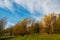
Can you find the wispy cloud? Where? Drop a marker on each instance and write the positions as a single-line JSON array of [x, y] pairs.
[[40, 6], [6, 4], [44, 6], [9, 24], [51, 6]]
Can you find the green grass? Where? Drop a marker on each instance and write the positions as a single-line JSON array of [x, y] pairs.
[[6, 37], [38, 37]]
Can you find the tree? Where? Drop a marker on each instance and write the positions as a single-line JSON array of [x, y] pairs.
[[49, 21], [34, 27], [20, 28], [42, 27], [3, 22], [57, 25]]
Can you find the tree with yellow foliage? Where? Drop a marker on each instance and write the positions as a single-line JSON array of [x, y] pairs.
[[20, 28], [57, 25], [49, 21]]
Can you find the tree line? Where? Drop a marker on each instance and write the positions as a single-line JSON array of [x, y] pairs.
[[50, 24]]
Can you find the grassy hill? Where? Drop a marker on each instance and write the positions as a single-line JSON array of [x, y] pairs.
[[36, 37]]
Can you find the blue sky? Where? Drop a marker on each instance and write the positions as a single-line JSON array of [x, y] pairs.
[[16, 10]]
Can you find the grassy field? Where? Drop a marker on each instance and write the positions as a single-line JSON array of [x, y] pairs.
[[37, 37]]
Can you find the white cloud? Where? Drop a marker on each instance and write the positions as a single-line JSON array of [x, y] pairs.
[[26, 4], [45, 6], [51, 6], [31, 5], [6, 4], [9, 24], [37, 18], [41, 6]]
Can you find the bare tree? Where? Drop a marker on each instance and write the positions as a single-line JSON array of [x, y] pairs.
[[3, 22]]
